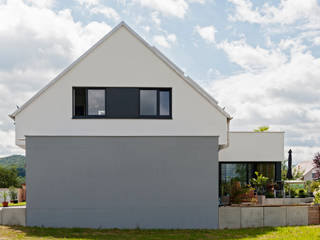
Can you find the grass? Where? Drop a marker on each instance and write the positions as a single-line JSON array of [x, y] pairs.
[[14, 204], [283, 233]]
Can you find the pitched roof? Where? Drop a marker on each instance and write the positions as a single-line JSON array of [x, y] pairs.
[[305, 166], [153, 49]]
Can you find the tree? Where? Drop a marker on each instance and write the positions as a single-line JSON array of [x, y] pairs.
[[8, 177], [316, 163], [262, 129]]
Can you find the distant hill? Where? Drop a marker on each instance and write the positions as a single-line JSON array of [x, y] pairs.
[[17, 161]]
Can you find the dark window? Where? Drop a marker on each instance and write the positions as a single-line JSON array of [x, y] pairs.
[[79, 95], [243, 172], [121, 103]]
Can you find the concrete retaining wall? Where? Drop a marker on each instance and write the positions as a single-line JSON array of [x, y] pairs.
[[245, 217], [13, 216], [286, 201]]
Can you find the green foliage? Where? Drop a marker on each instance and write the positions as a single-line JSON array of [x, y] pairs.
[[265, 233], [14, 161], [269, 194], [8, 177], [316, 195], [293, 193], [262, 129], [4, 196], [301, 193], [13, 193], [259, 182], [314, 185]]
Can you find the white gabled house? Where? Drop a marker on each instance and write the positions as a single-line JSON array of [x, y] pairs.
[[122, 138]]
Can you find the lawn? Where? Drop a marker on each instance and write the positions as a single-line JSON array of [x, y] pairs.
[[283, 233]]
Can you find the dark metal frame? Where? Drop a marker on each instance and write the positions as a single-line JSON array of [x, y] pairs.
[[276, 166], [106, 116]]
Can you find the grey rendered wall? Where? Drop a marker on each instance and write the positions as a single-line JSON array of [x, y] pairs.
[[122, 182]]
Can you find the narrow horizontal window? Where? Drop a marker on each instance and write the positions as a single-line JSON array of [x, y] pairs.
[[122, 102], [96, 102]]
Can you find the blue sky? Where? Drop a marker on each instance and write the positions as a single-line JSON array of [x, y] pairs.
[[259, 59]]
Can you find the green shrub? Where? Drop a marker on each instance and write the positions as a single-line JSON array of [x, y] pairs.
[[293, 193], [314, 186], [269, 194], [301, 193], [316, 195], [13, 193]]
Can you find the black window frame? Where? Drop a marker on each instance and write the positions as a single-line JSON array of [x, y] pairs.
[[157, 116], [277, 169], [107, 116]]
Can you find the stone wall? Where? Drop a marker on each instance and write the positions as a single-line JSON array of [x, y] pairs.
[[13, 216], [267, 216]]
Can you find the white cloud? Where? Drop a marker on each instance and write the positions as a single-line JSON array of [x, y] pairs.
[[146, 28], [108, 12], [197, 1], [165, 41], [36, 43], [287, 12], [284, 94], [175, 8], [252, 58], [88, 2], [207, 33], [41, 3], [162, 41], [316, 41], [172, 38], [155, 18]]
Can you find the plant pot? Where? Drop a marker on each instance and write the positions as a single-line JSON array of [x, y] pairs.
[[261, 199], [5, 204], [15, 201]]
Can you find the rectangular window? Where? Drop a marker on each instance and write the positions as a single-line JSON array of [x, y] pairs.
[[96, 102], [121, 102], [243, 172], [155, 103], [79, 101], [148, 102], [164, 104]]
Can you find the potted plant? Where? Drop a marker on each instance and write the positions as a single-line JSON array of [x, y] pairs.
[[259, 182], [13, 194], [4, 196]]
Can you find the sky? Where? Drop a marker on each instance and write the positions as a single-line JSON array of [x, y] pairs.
[[259, 59]]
